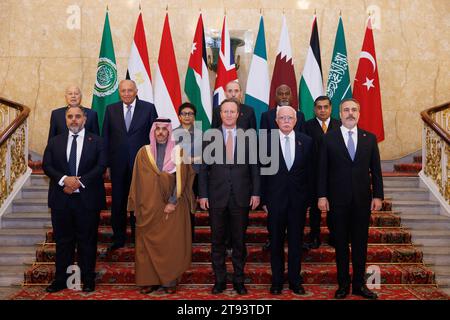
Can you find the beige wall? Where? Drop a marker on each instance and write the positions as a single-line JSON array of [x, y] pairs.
[[39, 55]]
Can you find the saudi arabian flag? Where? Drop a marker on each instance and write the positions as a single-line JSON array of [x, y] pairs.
[[311, 83], [106, 83], [338, 87], [258, 84]]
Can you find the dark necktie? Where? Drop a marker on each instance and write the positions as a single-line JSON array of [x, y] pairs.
[[128, 118], [351, 146], [73, 156]]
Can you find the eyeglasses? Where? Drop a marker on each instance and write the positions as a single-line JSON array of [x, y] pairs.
[[286, 118], [187, 114]]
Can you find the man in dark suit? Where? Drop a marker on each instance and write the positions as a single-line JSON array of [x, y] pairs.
[[126, 129], [316, 128], [73, 97], [228, 186], [246, 119], [350, 185], [75, 162], [285, 196], [283, 98]]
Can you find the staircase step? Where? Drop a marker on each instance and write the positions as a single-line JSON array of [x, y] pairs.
[[35, 191], [30, 205], [426, 221], [402, 193], [26, 220], [436, 255], [256, 273], [256, 253], [17, 255], [11, 274], [39, 180], [259, 235], [432, 237], [21, 237], [408, 167], [404, 182], [416, 206]]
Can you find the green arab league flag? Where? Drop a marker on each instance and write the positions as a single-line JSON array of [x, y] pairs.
[[338, 87], [106, 83]]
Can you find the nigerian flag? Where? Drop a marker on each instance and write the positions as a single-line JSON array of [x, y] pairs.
[[338, 87], [106, 84]]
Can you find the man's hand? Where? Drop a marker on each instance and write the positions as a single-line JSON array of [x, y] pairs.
[[265, 209], [204, 203], [169, 208], [254, 202], [72, 183], [68, 190], [323, 204], [376, 205]]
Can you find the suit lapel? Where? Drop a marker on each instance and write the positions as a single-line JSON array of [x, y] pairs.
[[342, 145], [362, 137], [63, 153], [136, 116], [120, 116], [84, 153], [298, 150]]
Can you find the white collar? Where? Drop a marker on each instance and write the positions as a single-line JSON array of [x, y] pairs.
[[291, 134], [133, 104], [79, 134]]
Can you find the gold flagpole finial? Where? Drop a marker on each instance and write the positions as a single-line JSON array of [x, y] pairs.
[[283, 11], [261, 11], [225, 11], [315, 11], [340, 13], [107, 9], [140, 7], [167, 8]]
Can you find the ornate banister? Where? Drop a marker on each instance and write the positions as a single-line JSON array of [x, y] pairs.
[[13, 146], [436, 150]]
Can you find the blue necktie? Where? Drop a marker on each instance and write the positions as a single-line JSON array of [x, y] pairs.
[[128, 118], [351, 146], [287, 153], [73, 156]]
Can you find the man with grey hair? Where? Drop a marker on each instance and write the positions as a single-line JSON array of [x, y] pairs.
[[285, 196], [73, 98], [126, 129]]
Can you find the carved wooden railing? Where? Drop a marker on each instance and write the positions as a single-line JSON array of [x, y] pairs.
[[13, 145], [436, 148]]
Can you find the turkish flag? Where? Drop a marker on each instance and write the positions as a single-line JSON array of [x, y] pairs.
[[366, 88]]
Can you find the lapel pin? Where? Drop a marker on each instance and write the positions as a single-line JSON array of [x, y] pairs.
[[299, 143], [364, 134], [89, 138]]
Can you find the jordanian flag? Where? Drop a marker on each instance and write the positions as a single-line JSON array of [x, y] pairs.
[[311, 83], [338, 87], [258, 84], [106, 84], [196, 85]]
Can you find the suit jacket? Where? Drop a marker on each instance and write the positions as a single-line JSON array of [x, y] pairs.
[[216, 181], [268, 120], [314, 130], [58, 122], [342, 180], [91, 168], [122, 146], [246, 119], [293, 185]]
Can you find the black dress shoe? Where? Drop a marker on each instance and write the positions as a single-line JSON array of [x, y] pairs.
[[297, 289], [239, 288], [56, 286], [149, 289], [315, 243], [342, 292], [89, 286], [364, 292], [116, 245], [276, 289], [266, 245], [219, 287]]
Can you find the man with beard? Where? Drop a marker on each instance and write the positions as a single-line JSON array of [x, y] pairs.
[[75, 163], [350, 185], [161, 197]]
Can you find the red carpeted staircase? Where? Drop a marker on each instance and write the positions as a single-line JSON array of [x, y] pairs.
[[403, 273]]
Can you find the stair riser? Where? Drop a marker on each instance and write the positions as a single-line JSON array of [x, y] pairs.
[[437, 259], [408, 195], [416, 209], [438, 241], [11, 240], [426, 225], [40, 180], [14, 260], [34, 194], [6, 281], [401, 183], [26, 223], [30, 208]]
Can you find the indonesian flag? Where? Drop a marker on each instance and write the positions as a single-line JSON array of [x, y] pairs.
[[283, 71], [167, 84], [226, 69], [366, 88], [138, 63], [196, 85]]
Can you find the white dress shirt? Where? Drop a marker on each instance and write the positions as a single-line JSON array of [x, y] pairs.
[[291, 136], [80, 141], [125, 109], [345, 131], [327, 122]]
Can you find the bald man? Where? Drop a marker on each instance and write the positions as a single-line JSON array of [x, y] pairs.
[[126, 129], [73, 98]]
